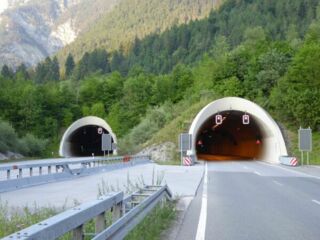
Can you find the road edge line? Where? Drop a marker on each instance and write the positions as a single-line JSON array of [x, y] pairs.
[[201, 230]]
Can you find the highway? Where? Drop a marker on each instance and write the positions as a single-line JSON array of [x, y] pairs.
[[253, 200]]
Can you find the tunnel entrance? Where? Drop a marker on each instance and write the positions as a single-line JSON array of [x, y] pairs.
[[230, 140], [83, 138], [261, 139], [86, 141]]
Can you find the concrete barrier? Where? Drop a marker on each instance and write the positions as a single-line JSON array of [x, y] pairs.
[[289, 161]]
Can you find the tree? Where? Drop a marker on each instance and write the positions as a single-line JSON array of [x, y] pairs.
[[69, 65], [22, 72], [55, 70], [6, 72]]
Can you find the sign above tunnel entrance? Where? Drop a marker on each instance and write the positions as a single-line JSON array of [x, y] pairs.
[[245, 119], [219, 119]]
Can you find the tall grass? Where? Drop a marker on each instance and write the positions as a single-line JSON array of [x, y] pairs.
[[15, 219]]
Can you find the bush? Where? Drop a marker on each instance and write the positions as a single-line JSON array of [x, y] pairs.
[[32, 146], [8, 137]]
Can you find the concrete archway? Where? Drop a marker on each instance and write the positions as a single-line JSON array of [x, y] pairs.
[[232, 140], [82, 138]]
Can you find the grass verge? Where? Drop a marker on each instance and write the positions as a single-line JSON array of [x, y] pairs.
[[153, 226]]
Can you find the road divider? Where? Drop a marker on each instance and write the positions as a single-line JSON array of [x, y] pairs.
[[289, 161]]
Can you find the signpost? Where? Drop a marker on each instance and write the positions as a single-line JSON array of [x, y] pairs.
[[185, 142], [305, 142], [106, 143]]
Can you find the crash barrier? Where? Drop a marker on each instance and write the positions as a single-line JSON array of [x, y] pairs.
[[22, 175], [126, 214], [289, 161]]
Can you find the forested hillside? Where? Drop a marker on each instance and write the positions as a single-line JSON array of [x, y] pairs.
[[135, 19], [275, 64]]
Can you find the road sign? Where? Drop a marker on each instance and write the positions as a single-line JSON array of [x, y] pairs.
[[100, 130], [185, 142], [305, 139], [106, 142], [219, 119], [245, 119], [114, 146]]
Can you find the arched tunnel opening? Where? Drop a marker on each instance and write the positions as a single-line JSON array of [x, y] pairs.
[[87, 140], [230, 140]]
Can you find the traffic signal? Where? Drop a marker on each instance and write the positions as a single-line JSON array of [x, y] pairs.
[[219, 119], [245, 119]]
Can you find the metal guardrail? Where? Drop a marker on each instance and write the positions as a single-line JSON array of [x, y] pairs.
[[127, 213], [19, 175]]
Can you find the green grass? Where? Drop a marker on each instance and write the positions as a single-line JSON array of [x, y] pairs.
[[153, 226], [13, 220]]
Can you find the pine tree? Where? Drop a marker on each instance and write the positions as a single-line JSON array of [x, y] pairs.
[[6, 72], [69, 65]]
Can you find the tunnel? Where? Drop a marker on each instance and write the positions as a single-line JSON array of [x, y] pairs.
[[84, 138], [231, 138]]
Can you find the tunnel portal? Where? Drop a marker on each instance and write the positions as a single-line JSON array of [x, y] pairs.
[[230, 140], [83, 138], [86, 141], [261, 139]]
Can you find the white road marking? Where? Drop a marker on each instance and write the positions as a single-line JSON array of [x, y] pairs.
[[245, 167], [255, 172], [276, 182], [288, 170], [201, 231], [315, 201]]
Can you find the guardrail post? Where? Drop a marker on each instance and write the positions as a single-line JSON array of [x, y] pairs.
[[100, 222], [20, 172], [77, 233], [8, 174], [40, 170], [31, 172], [116, 212], [49, 169]]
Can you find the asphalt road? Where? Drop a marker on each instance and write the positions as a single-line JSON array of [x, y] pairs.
[[182, 181], [253, 200]]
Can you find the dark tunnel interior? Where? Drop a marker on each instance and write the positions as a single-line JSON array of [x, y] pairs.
[[87, 140], [231, 140]]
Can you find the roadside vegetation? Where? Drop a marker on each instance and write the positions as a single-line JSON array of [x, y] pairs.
[[150, 92], [152, 227]]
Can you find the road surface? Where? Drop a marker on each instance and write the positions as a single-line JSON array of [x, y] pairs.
[[253, 200], [182, 181]]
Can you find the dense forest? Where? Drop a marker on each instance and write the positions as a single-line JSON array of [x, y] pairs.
[[136, 18], [266, 51]]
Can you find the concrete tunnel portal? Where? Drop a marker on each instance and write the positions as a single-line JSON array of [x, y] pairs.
[[261, 139], [83, 138]]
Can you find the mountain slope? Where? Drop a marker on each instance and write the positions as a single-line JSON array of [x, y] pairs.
[[137, 18], [31, 30]]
